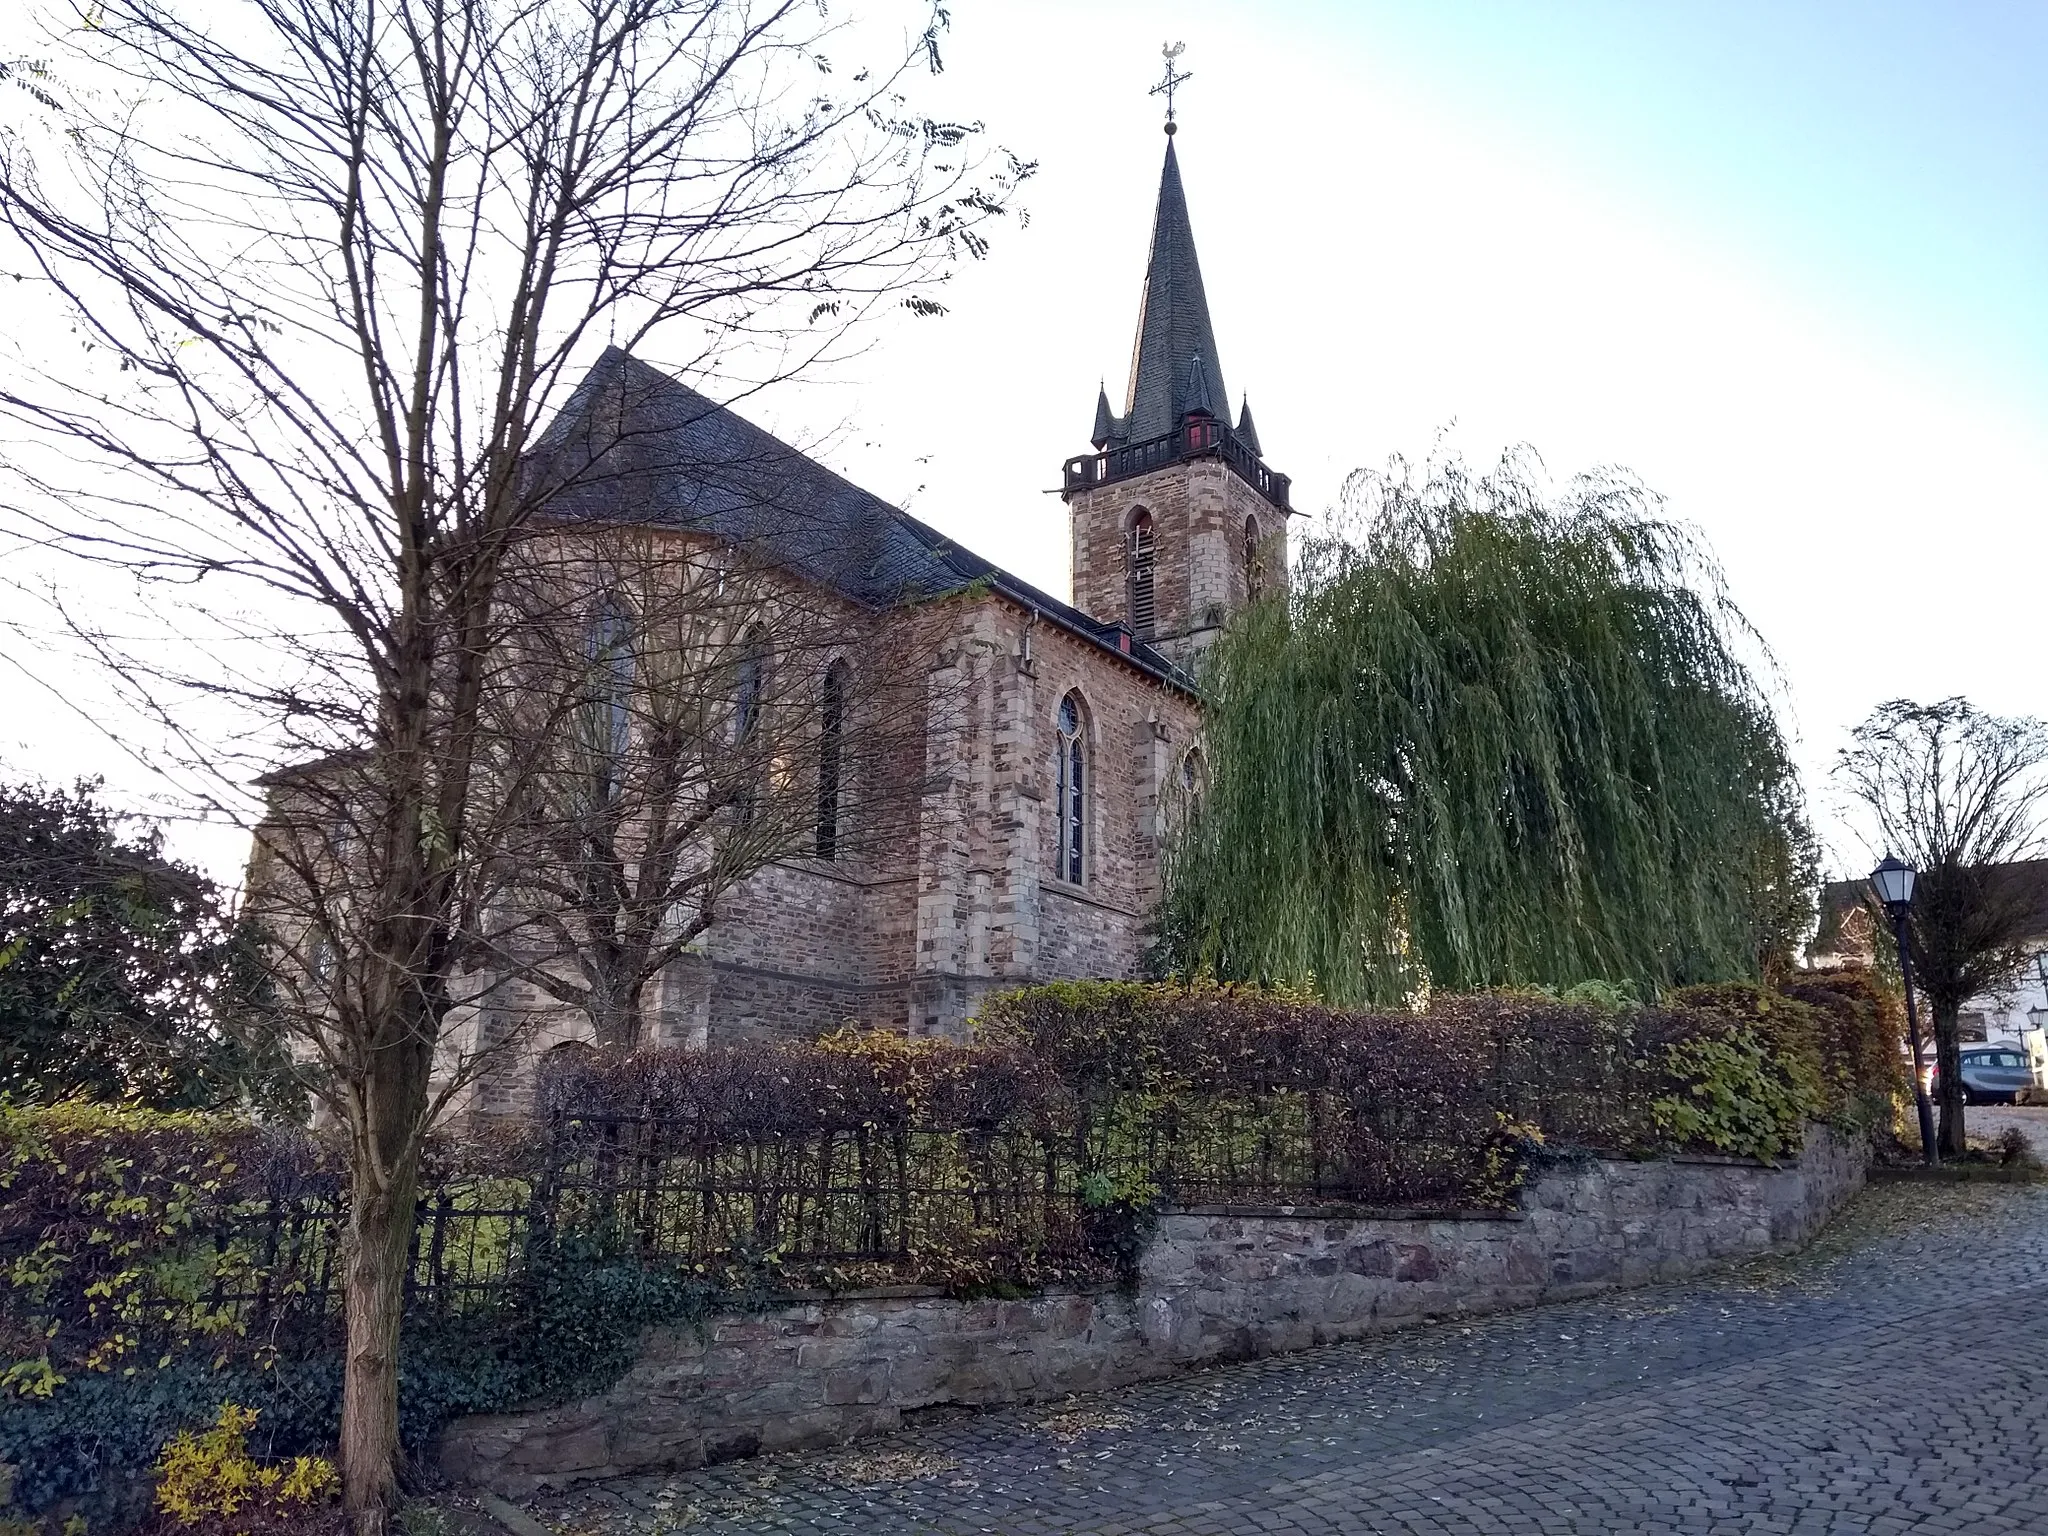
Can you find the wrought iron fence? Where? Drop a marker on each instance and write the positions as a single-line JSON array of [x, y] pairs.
[[674, 1190], [807, 1166]]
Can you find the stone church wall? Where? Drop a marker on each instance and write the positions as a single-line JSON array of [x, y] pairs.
[[807, 948], [910, 930], [991, 911]]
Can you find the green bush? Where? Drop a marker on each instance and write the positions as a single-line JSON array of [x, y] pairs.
[[1732, 1093]]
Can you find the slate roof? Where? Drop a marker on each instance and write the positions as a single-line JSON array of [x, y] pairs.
[[1173, 323], [634, 445]]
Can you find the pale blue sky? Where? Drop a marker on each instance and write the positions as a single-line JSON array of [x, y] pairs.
[[1891, 155]]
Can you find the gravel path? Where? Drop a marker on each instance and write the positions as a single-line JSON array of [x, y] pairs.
[[1889, 1380]]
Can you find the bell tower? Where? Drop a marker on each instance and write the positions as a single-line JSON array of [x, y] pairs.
[[1177, 521]]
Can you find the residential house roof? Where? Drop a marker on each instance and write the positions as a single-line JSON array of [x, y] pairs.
[[2024, 880]]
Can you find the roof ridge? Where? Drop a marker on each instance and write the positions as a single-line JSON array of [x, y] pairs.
[[736, 479]]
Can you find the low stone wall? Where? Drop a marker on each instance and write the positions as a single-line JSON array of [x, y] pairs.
[[1214, 1285]]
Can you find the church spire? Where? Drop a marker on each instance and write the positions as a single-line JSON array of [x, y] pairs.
[[1108, 428], [1173, 320]]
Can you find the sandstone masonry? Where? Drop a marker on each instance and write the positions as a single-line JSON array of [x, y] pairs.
[[1214, 1285]]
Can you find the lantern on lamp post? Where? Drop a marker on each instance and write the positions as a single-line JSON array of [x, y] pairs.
[[1893, 881]]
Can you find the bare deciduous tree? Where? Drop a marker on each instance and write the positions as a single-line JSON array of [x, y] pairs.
[[1959, 795], [329, 265]]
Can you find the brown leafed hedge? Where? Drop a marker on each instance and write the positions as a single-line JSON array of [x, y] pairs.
[[1220, 1094], [864, 1155]]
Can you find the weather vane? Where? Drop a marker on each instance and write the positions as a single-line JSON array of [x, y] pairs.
[[1173, 78]]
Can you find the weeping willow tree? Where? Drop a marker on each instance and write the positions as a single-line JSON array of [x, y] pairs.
[[1493, 735]]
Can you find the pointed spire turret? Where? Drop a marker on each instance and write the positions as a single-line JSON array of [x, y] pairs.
[[1246, 432], [1107, 428], [1173, 324], [1176, 411]]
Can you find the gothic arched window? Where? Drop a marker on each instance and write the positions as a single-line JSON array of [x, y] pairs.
[[1070, 815], [1144, 559], [1254, 573], [1183, 795], [831, 745]]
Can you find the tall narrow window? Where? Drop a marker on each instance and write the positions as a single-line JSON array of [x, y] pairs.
[[1071, 807], [610, 648], [831, 732], [1183, 795], [1144, 556], [1254, 573], [752, 683], [1194, 778]]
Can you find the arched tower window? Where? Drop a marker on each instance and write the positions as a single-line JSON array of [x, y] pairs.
[[1144, 560], [1254, 571], [1070, 815], [831, 745]]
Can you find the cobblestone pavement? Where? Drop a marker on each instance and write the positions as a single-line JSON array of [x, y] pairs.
[[1889, 1380]]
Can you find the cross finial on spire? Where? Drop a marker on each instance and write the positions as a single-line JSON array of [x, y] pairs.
[[1171, 80]]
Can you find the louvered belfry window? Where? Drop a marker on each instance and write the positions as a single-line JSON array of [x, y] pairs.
[[1144, 558], [1070, 804]]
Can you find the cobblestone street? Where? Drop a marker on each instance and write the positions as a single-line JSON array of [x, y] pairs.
[[1889, 1380]]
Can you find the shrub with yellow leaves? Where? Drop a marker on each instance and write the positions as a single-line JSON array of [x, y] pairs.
[[209, 1482]]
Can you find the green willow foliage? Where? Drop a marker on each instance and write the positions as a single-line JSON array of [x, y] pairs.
[[1493, 736]]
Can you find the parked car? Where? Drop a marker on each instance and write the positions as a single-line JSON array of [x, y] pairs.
[[1991, 1075]]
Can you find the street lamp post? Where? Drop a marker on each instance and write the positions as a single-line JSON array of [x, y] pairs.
[[2038, 1017], [1893, 881]]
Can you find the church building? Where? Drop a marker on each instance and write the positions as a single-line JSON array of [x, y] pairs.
[[1039, 857], [1035, 855]]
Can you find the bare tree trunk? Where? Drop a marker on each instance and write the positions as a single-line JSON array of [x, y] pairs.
[[389, 1104], [613, 1007], [1952, 1139], [380, 1242]]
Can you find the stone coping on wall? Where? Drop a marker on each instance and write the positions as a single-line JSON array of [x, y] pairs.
[[1214, 1284]]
